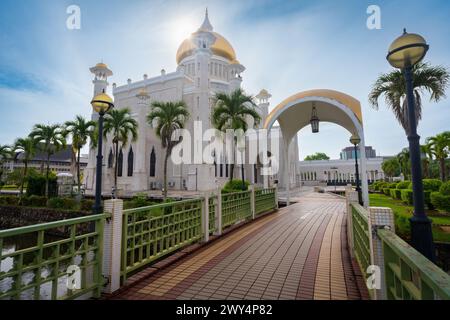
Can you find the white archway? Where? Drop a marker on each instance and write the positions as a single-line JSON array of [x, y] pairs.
[[294, 113]]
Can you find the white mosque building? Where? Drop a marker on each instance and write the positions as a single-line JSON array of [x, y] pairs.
[[207, 64]]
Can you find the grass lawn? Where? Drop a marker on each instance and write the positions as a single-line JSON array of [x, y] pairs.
[[403, 212]]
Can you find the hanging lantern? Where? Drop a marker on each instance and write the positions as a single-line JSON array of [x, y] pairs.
[[314, 119]]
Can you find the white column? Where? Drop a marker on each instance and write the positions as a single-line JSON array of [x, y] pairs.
[[112, 244], [287, 173], [205, 218], [363, 170], [252, 200]]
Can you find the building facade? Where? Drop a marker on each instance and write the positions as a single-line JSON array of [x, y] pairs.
[[349, 153], [207, 64]]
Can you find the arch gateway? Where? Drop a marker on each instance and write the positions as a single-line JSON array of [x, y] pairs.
[[294, 113]]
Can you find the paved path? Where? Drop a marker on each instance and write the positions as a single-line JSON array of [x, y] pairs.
[[297, 253]]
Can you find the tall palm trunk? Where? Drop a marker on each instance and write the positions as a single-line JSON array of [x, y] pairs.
[[47, 175], [166, 159], [78, 171], [442, 168], [116, 168], [24, 174]]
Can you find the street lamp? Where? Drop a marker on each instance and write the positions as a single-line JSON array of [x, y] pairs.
[[404, 53], [314, 119], [355, 140], [101, 104]]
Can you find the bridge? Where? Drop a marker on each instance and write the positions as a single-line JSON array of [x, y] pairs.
[[223, 246]]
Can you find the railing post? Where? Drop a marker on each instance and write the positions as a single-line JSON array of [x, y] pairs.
[[205, 218], [253, 201], [351, 196], [219, 212], [112, 244], [379, 218], [276, 196]]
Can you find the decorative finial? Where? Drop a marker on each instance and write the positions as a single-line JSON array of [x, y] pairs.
[[206, 26], [404, 31]]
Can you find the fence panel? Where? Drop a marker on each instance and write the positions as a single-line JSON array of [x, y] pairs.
[[235, 207], [361, 237], [212, 213], [35, 264], [265, 200], [408, 274], [149, 233]]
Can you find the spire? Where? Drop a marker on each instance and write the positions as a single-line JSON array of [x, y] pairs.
[[206, 26]]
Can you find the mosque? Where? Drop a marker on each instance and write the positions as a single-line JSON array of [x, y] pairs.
[[207, 64]]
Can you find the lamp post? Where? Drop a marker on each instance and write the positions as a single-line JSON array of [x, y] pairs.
[[101, 104], [355, 140], [406, 51]]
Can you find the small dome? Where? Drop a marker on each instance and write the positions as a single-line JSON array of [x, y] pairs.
[[221, 47], [101, 65]]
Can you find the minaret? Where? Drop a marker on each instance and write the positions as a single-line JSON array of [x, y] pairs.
[[139, 174], [263, 106], [101, 73]]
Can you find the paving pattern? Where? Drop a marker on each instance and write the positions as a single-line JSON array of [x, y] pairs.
[[300, 252]]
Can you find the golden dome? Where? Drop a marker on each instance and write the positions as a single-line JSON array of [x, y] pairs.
[[221, 47], [101, 65]]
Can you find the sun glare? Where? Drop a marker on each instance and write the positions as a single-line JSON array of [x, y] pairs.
[[181, 28]]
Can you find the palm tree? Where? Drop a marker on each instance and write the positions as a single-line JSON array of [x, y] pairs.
[[440, 145], [5, 154], [168, 117], [232, 111], [80, 130], [120, 124], [51, 139], [427, 157], [392, 85], [25, 146], [403, 159]]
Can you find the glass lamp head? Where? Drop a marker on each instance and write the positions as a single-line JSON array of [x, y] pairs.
[[407, 50]]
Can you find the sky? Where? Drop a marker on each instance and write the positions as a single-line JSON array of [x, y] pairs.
[[286, 46]]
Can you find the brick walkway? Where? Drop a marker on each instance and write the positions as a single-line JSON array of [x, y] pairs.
[[299, 252]]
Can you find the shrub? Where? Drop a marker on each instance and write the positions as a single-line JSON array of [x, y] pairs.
[[380, 185], [445, 188], [9, 200], [86, 205], [62, 203], [138, 201], [235, 185], [427, 199], [429, 184], [440, 201], [397, 194], [36, 185], [386, 191], [34, 201], [392, 193], [407, 196], [9, 187], [404, 185]]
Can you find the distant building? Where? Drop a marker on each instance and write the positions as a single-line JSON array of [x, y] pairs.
[[349, 153], [61, 162]]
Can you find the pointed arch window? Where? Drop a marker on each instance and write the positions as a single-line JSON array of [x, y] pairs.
[[130, 162], [120, 164], [153, 163], [110, 159]]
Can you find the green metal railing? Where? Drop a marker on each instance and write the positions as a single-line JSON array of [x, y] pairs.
[[235, 207], [212, 214], [149, 233], [265, 200], [408, 274], [38, 268], [361, 237]]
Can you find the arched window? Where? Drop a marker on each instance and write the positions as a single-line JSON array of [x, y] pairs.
[[110, 159], [120, 164], [130, 162], [153, 163]]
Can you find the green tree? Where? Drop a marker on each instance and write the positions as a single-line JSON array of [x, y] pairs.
[[80, 130], [122, 127], [231, 111], [392, 86], [391, 167], [168, 117], [405, 163], [5, 154], [427, 158], [439, 146], [27, 149], [317, 156], [51, 140]]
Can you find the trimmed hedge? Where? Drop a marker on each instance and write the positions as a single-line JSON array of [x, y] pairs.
[[404, 185], [36, 186], [440, 201], [445, 189], [62, 203], [407, 196], [34, 201], [9, 200], [387, 191], [235, 186], [396, 194], [429, 184]]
